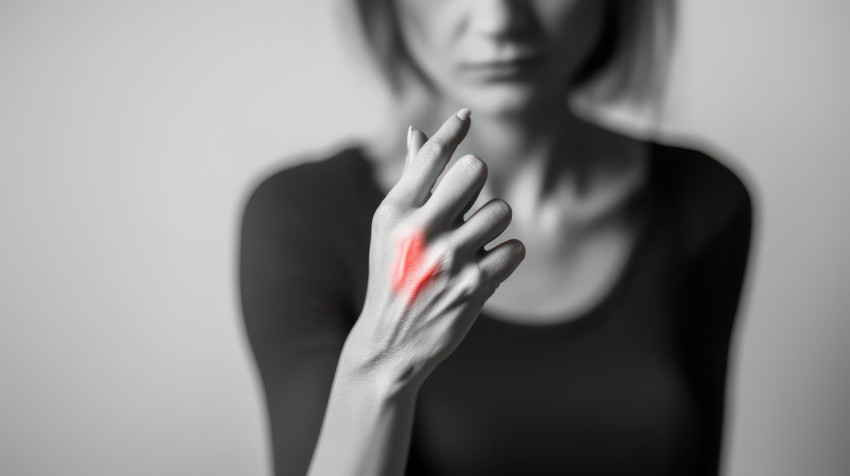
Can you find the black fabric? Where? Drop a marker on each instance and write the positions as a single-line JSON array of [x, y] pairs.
[[634, 386]]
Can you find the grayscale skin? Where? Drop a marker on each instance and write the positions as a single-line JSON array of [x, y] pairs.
[[406, 334], [523, 132]]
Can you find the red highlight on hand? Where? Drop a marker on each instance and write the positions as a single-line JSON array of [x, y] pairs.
[[412, 272]]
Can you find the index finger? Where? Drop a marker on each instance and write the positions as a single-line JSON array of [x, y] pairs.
[[421, 174]]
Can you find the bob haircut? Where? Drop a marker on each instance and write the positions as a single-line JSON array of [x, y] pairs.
[[627, 66]]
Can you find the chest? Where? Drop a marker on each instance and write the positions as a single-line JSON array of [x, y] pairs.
[[604, 394], [565, 274], [562, 279], [578, 245]]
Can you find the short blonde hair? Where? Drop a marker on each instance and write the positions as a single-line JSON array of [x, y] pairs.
[[626, 69]]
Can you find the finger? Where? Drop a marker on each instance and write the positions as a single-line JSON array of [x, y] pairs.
[[462, 181], [487, 223], [501, 261], [469, 205], [417, 181], [415, 140], [407, 145]]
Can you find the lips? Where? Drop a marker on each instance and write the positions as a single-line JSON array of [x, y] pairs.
[[523, 62], [513, 68]]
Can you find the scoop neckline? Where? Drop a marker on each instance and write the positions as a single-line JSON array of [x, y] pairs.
[[595, 313]]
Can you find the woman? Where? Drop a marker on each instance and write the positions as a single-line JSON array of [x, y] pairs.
[[370, 298]]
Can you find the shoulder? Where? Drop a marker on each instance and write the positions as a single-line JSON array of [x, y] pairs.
[[317, 207], [293, 218], [315, 192], [709, 196], [302, 202], [310, 182]]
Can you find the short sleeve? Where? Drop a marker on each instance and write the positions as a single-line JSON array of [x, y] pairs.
[[293, 293]]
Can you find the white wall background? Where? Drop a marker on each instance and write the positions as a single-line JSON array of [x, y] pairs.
[[131, 132]]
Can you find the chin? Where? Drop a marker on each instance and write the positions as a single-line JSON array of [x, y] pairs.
[[499, 98]]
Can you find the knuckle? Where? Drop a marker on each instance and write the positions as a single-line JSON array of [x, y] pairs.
[[473, 278], [449, 256], [385, 214], [434, 148], [424, 217], [473, 164], [502, 209]]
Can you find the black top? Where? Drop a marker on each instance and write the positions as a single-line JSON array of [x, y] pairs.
[[634, 386]]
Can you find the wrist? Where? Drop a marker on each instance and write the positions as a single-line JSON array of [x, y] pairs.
[[375, 374]]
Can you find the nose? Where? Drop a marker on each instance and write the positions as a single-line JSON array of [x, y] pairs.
[[499, 18]]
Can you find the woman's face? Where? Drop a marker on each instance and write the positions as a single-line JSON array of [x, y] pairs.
[[500, 56]]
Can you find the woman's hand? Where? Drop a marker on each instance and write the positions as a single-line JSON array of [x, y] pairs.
[[428, 278], [429, 275]]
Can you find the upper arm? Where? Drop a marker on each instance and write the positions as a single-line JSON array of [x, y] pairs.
[[715, 282], [292, 291]]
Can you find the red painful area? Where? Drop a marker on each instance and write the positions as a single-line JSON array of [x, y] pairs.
[[412, 272]]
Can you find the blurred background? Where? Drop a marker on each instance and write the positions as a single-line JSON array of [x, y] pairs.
[[131, 133]]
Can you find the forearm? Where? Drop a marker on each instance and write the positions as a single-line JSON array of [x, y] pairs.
[[367, 424]]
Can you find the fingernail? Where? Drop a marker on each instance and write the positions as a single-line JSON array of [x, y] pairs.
[[409, 136], [464, 114]]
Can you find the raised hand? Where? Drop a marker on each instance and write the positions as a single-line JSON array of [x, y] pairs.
[[429, 274]]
